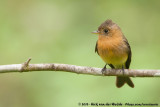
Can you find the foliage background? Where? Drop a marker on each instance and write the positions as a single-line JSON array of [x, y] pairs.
[[57, 31]]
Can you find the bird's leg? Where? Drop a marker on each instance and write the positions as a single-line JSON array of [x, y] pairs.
[[123, 69], [103, 69]]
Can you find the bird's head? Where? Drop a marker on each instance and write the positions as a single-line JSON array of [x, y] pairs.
[[108, 29]]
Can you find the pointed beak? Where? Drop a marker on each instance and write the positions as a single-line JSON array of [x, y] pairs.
[[95, 32]]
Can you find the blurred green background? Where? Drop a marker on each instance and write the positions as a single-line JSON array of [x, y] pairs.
[[56, 31]]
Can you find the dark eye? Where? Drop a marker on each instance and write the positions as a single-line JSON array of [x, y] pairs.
[[105, 30]]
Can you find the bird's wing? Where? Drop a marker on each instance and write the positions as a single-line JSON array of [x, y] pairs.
[[96, 49], [127, 64]]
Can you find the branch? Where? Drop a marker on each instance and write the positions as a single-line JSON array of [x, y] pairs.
[[25, 67]]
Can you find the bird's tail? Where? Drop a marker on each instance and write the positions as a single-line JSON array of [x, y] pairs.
[[120, 81]]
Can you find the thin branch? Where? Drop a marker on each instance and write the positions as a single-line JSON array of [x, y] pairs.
[[25, 67]]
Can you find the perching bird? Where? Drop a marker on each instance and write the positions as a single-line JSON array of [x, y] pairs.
[[114, 49]]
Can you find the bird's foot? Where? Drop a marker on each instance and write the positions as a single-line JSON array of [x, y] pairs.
[[103, 69], [123, 70]]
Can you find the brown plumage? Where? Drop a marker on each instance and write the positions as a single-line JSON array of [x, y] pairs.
[[114, 49]]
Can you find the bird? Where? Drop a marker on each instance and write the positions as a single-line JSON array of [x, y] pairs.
[[114, 49]]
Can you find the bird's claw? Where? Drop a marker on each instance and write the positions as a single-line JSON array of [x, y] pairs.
[[123, 70], [103, 71]]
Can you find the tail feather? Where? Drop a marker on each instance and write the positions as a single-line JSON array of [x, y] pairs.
[[120, 81]]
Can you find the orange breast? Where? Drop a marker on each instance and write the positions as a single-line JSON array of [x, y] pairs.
[[112, 50]]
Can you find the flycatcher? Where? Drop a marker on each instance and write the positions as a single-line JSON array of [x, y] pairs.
[[114, 49]]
